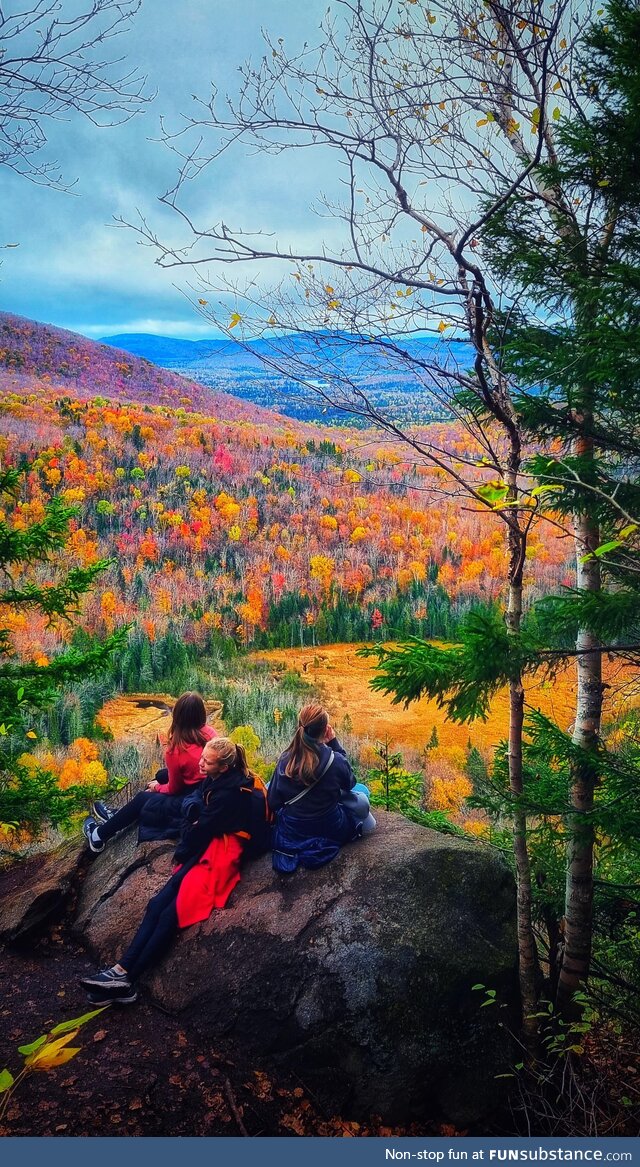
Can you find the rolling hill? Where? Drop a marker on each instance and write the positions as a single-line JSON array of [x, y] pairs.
[[40, 356]]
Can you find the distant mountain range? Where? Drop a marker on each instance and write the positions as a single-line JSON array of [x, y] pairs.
[[303, 376], [282, 373]]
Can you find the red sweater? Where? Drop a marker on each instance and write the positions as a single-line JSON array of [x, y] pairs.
[[182, 765]]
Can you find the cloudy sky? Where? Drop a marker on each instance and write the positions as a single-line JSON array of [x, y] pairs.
[[73, 267]]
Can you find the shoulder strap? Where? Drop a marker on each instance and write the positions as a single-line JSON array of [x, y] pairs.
[[306, 790]]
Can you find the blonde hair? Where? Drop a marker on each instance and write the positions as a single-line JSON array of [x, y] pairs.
[[303, 752], [233, 755]]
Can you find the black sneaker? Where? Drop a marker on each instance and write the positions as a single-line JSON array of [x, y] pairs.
[[123, 997], [88, 827], [101, 812], [107, 979]]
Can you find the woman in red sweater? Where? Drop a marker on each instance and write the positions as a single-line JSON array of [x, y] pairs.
[[188, 735], [158, 808]]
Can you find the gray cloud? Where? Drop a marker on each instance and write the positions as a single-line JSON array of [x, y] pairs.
[[73, 267]]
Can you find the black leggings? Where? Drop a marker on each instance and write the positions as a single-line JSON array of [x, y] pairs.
[[157, 930], [129, 814]]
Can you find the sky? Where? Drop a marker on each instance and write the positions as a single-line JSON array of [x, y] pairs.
[[73, 266]]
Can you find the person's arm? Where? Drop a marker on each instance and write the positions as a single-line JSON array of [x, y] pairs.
[[346, 776], [274, 796], [218, 817], [175, 784], [334, 745]]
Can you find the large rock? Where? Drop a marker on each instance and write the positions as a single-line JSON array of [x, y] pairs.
[[36, 891], [358, 976]]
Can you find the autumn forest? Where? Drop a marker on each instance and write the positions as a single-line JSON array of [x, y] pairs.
[[397, 473]]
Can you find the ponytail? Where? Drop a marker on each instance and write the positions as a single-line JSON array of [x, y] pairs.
[[303, 754], [234, 756]]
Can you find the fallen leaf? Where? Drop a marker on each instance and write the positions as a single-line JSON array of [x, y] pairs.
[[100, 1035]]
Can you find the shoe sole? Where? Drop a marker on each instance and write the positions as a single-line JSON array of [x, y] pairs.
[[92, 846], [99, 816], [95, 999], [103, 987]]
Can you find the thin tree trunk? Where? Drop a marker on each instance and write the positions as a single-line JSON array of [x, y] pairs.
[[576, 958], [527, 956]]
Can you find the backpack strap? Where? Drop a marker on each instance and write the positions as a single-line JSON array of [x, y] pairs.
[[297, 797]]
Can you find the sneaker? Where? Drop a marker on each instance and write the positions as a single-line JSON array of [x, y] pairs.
[[123, 997], [106, 979], [101, 812], [88, 827]]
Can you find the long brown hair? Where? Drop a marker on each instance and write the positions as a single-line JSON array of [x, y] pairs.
[[303, 753], [187, 722]]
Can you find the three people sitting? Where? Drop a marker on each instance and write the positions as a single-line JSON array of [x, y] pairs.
[[313, 796]]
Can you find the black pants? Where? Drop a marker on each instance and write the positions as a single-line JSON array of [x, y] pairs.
[[157, 930], [129, 814]]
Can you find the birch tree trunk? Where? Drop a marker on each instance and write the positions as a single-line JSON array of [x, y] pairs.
[[527, 955], [576, 957]]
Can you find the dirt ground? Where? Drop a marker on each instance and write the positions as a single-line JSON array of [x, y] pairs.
[[140, 1071], [344, 678]]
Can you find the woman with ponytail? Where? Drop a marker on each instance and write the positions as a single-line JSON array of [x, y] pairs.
[[313, 797], [217, 824]]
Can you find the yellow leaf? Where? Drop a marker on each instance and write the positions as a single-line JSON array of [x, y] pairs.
[[328, 289], [203, 301], [556, 114], [57, 1059], [482, 121], [235, 319], [41, 1058], [563, 43], [333, 304], [442, 326], [557, 86], [32, 735]]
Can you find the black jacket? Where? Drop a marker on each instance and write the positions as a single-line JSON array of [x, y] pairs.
[[218, 807], [324, 795], [161, 817]]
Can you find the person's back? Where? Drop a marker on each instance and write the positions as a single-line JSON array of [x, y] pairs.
[[332, 776], [307, 793]]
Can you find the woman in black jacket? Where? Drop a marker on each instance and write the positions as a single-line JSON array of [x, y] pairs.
[[312, 794], [207, 874]]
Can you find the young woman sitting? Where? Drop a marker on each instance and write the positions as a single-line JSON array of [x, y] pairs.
[[217, 826], [158, 808], [312, 794]]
